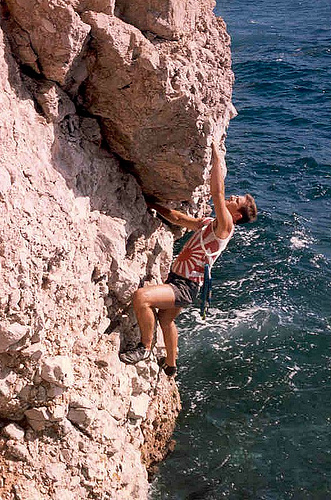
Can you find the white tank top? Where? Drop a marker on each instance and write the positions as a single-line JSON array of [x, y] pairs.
[[204, 247]]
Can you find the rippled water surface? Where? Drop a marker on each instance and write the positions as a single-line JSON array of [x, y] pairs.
[[255, 377]]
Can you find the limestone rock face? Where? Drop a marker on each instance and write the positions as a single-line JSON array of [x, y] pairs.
[[165, 101], [54, 33], [158, 74], [99, 105], [168, 19], [75, 242]]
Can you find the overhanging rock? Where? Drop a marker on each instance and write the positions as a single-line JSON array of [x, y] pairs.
[[160, 101]]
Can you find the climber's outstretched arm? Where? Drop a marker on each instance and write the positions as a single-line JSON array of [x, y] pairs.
[[176, 217], [217, 191]]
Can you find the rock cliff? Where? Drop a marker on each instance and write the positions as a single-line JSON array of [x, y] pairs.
[[101, 102]]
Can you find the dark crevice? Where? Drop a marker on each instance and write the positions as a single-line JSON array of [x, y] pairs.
[[125, 86]]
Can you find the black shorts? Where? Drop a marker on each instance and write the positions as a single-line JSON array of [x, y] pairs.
[[186, 291]]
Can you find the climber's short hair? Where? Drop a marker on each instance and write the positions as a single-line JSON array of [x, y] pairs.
[[248, 211]]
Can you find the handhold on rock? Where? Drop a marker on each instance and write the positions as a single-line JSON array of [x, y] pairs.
[[11, 334], [139, 406], [58, 370], [37, 418], [14, 432]]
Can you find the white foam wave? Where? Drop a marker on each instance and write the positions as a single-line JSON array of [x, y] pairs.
[[226, 321], [318, 260], [300, 240], [297, 243], [249, 236]]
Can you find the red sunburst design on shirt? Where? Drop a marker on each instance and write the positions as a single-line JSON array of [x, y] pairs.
[[191, 260], [192, 257]]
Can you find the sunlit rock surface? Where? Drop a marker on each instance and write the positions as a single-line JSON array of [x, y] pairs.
[[85, 85]]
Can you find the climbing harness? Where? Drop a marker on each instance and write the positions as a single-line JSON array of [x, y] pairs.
[[205, 296]]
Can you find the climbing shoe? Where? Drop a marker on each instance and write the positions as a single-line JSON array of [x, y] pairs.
[[171, 371], [133, 355]]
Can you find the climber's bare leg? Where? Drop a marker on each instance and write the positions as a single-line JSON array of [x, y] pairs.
[[144, 301], [170, 334]]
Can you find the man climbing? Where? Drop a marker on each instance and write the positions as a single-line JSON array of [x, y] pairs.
[[210, 238]]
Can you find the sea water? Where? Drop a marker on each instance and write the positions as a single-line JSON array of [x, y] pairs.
[[255, 376]]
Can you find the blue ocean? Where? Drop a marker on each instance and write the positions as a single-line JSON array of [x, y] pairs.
[[255, 376]]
